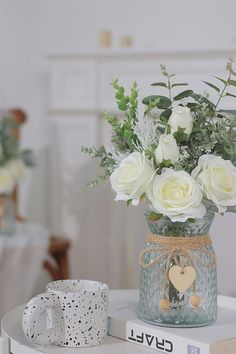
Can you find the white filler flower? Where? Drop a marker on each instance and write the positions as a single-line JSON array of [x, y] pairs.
[[17, 169], [7, 181], [177, 195], [218, 180], [167, 149], [132, 178], [181, 117]]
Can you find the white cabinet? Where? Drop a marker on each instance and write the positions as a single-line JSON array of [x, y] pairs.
[[107, 236], [143, 72], [70, 132], [72, 84]]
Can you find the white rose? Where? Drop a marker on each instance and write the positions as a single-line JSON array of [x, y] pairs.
[[167, 149], [177, 195], [218, 180], [7, 182], [181, 117], [132, 178], [17, 169]]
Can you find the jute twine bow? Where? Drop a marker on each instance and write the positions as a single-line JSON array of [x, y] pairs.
[[172, 248]]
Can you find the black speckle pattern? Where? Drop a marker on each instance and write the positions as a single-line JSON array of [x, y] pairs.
[[76, 314]]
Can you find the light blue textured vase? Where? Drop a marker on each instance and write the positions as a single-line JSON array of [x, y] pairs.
[[181, 312]]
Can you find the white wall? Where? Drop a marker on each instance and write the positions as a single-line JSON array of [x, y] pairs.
[[31, 29]]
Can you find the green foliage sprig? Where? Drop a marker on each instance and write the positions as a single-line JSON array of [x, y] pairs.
[[126, 103], [9, 146], [106, 162], [214, 129]]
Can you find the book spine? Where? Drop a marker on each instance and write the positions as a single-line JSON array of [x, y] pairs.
[[155, 338]]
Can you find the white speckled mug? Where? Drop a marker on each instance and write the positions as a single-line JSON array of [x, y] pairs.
[[76, 314]]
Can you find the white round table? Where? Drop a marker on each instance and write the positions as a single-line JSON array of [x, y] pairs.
[[12, 329], [21, 257]]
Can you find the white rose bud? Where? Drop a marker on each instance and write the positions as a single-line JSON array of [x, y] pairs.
[[132, 178], [167, 149], [218, 180], [181, 117], [177, 195]]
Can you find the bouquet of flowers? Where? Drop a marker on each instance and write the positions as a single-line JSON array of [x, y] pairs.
[[180, 155], [13, 160]]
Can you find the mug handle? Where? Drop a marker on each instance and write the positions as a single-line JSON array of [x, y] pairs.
[[35, 307]]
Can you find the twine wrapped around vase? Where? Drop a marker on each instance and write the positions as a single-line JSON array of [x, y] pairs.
[[178, 245]]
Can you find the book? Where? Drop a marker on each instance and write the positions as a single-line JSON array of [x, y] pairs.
[[218, 338]]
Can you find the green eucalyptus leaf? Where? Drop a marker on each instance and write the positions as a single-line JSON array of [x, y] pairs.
[[163, 84], [122, 106], [199, 98], [150, 99], [219, 78], [192, 105], [230, 95], [211, 104], [195, 96], [127, 134], [232, 83], [165, 115], [183, 94], [168, 129], [119, 95], [162, 102], [212, 86], [179, 84]]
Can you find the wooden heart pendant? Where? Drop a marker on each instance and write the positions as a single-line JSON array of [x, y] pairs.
[[182, 278]]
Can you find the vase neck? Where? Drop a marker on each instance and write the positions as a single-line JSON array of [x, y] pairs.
[[165, 227]]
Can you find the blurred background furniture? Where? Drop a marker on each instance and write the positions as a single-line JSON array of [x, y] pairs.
[[58, 250], [57, 263], [21, 258]]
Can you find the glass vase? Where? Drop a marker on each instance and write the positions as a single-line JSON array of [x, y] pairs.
[[173, 253], [7, 215]]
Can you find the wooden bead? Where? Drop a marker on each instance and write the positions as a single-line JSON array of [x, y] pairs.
[[164, 304], [195, 300], [1, 210], [2, 207]]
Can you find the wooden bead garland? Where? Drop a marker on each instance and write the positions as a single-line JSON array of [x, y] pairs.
[[195, 300], [164, 304]]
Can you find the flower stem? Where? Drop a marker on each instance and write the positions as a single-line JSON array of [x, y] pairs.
[[169, 87], [223, 91]]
